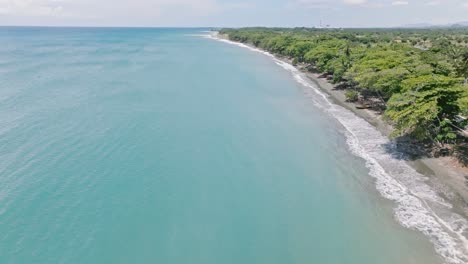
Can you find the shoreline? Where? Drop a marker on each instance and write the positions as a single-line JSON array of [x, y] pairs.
[[444, 174], [441, 171]]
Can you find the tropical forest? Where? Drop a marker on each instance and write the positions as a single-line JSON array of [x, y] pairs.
[[417, 79]]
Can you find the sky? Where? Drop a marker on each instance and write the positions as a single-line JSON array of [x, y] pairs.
[[231, 13]]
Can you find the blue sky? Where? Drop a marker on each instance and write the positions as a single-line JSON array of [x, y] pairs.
[[338, 13]]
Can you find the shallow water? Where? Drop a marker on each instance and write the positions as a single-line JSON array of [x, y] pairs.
[[158, 145]]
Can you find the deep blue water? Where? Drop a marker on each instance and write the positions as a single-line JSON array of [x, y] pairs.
[[162, 146]]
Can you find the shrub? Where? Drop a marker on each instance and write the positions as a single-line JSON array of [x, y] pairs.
[[352, 95], [295, 61]]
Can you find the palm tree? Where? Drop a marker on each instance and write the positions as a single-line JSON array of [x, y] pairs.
[[459, 57]]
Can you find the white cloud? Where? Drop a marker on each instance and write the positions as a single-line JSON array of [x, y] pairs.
[[326, 4], [433, 3], [31, 7], [400, 3], [229, 12], [375, 5], [354, 2], [84, 8], [314, 3], [242, 5]]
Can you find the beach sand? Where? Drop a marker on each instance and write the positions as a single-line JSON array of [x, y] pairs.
[[445, 174]]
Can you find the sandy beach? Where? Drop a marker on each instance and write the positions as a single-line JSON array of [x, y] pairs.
[[444, 174]]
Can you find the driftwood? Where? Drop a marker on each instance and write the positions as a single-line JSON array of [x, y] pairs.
[[363, 106]]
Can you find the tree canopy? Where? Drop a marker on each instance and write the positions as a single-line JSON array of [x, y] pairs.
[[421, 75]]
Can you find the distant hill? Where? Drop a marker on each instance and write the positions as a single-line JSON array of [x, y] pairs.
[[427, 25], [419, 25], [461, 24]]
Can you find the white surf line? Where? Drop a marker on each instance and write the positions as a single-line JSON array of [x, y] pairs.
[[406, 187]]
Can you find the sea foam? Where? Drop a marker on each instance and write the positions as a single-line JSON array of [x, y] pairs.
[[418, 206]]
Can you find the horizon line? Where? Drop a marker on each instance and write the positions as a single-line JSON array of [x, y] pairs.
[[235, 27]]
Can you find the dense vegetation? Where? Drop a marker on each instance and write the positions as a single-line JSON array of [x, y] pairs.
[[419, 78]]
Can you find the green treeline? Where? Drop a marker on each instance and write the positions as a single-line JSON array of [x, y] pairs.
[[418, 76]]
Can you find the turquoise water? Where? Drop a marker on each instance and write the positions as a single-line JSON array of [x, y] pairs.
[[161, 146]]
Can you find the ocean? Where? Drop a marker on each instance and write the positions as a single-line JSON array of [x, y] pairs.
[[128, 145]]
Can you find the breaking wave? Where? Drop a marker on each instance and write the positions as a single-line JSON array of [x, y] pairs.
[[418, 206]]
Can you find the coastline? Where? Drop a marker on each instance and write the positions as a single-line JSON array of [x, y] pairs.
[[444, 173], [431, 194], [441, 171]]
